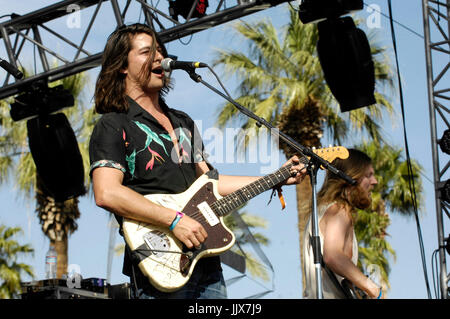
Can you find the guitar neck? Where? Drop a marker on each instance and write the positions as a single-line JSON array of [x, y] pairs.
[[229, 203]]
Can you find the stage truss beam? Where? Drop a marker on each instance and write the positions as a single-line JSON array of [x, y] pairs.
[[437, 53], [80, 56]]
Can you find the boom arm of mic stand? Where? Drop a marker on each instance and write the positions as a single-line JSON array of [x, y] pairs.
[[260, 121]]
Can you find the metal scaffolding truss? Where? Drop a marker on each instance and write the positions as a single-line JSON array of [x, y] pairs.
[[437, 51], [59, 52]]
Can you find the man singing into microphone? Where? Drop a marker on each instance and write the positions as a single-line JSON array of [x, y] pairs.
[[141, 146]]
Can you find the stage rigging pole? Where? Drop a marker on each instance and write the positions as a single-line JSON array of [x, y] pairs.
[[436, 13]]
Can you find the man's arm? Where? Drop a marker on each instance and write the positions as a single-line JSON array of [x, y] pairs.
[[111, 195], [230, 183], [336, 226]]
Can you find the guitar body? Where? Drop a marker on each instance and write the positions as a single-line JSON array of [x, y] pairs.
[[166, 262]]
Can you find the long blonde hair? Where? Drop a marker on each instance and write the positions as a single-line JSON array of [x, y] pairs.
[[334, 188]]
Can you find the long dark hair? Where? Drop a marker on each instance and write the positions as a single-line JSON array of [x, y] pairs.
[[110, 94]]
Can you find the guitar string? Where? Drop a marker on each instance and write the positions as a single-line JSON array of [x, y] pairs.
[[198, 215], [216, 206], [231, 199]]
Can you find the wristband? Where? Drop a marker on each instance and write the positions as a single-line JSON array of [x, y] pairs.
[[176, 220], [381, 293]]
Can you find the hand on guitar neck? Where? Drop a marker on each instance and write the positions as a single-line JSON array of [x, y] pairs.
[[297, 170], [161, 249]]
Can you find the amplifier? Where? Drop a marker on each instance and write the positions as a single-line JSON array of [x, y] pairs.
[[91, 288], [58, 292]]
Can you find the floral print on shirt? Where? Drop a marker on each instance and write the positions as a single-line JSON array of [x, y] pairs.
[[153, 137]]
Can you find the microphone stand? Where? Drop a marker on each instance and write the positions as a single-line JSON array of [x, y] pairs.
[[312, 167]]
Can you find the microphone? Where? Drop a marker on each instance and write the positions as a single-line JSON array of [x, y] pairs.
[[11, 69], [168, 65]]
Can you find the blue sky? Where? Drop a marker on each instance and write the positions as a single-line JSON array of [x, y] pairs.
[[88, 246]]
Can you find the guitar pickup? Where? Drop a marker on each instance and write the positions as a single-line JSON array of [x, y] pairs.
[[208, 213]]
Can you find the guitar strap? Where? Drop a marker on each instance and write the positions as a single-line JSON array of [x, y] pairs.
[[332, 275]]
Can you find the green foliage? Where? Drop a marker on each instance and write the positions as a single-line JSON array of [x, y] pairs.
[[252, 264], [16, 161], [374, 249], [10, 269], [280, 79], [281, 71], [393, 179], [392, 193], [252, 222]]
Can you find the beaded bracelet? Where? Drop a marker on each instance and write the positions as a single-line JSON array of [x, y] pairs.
[[176, 220]]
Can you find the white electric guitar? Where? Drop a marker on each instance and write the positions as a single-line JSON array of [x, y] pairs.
[[166, 262]]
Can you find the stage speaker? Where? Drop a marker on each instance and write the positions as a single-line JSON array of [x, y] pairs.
[[55, 152], [346, 60]]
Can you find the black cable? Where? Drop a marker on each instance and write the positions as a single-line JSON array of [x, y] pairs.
[[186, 43], [220, 82], [399, 23], [408, 159]]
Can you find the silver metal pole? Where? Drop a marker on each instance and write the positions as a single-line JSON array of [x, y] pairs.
[[434, 149], [316, 238]]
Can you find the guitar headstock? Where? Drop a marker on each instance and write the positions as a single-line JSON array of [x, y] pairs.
[[331, 153]]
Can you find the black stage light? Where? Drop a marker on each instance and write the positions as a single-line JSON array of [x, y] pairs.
[[316, 10], [444, 142], [344, 51], [444, 192], [184, 7], [52, 141], [55, 152], [40, 99], [346, 60]]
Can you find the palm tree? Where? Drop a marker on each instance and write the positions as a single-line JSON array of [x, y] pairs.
[[282, 82], [10, 269], [58, 219], [392, 193]]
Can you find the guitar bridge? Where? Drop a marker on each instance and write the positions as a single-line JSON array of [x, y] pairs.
[[157, 242]]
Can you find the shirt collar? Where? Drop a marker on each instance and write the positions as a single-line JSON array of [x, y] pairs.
[[136, 111]]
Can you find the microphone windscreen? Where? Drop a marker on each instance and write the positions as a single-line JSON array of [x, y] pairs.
[[165, 64]]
